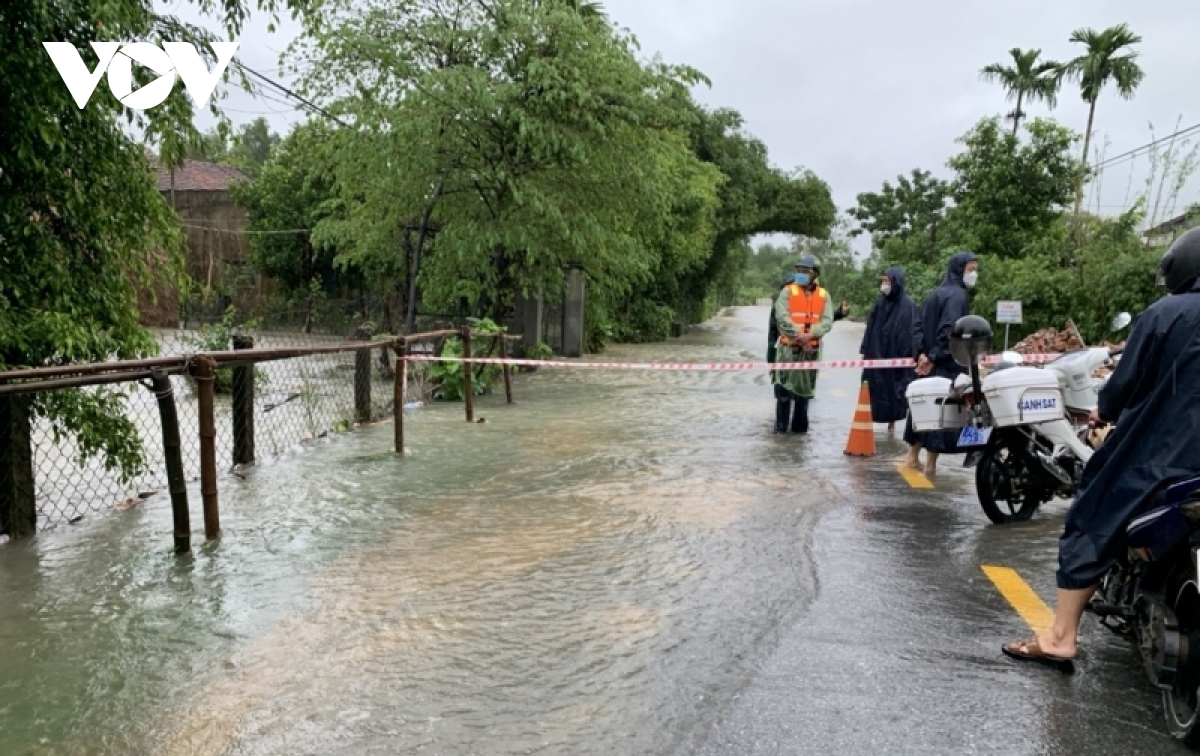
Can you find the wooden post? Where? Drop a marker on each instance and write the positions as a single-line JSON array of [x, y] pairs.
[[203, 372], [505, 369], [243, 407], [399, 390], [173, 456], [467, 367], [362, 386], [18, 494]]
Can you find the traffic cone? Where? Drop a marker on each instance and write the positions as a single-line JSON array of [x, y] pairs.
[[862, 430]]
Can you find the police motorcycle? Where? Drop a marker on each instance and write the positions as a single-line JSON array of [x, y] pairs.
[[1151, 597], [1039, 454], [1024, 428]]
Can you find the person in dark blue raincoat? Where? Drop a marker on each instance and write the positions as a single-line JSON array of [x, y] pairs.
[[931, 349], [889, 336], [1154, 398]]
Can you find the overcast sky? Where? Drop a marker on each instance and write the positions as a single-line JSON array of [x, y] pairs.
[[862, 91]]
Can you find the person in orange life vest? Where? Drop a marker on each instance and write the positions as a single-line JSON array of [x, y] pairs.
[[804, 313]]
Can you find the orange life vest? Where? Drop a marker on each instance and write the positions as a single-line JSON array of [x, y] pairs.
[[805, 309]]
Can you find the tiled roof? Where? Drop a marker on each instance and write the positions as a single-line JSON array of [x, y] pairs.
[[197, 176]]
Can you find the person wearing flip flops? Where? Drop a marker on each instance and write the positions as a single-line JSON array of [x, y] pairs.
[[1154, 398]]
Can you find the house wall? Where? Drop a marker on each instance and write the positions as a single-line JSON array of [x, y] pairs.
[[217, 257]]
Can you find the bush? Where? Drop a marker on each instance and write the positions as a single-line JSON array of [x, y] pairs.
[[218, 337], [447, 377]]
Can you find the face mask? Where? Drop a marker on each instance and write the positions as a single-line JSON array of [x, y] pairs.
[[971, 278], [802, 279], [885, 289]]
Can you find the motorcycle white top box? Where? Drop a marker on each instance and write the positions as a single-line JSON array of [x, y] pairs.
[[934, 403], [1023, 396]]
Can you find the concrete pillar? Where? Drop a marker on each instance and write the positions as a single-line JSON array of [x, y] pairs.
[[573, 302], [529, 319]]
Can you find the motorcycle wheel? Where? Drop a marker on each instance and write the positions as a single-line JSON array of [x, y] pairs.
[[1005, 482], [1181, 704]]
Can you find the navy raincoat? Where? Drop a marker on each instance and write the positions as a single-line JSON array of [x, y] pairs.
[[1154, 398], [931, 337], [889, 336]]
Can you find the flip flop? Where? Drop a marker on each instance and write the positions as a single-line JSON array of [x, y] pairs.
[[1030, 651]]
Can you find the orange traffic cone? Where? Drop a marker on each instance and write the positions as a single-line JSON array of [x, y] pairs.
[[862, 430]]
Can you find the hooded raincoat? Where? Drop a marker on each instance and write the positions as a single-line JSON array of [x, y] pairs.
[[1154, 398], [889, 336], [931, 337], [801, 383]]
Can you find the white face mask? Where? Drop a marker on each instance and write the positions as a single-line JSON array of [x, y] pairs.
[[971, 279], [885, 289]]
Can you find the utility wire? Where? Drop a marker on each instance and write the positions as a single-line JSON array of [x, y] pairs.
[[307, 103], [247, 232], [1131, 153]]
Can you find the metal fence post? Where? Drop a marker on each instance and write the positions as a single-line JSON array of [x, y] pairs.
[[362, 386], [18, 502], [203, 372], [399, 390], [173, 455], [243, 406], [468, 391], [506, 369]]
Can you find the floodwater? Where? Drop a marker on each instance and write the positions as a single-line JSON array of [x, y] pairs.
[[596, 569]]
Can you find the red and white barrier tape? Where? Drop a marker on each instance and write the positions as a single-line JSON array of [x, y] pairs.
[[705, 366]]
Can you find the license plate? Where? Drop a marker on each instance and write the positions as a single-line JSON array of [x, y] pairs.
[[972, 436]]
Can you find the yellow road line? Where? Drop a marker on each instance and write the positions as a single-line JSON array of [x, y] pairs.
[[1018, 593], [914, 478]]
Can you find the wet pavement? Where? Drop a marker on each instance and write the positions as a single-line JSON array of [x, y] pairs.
[[622, 563]]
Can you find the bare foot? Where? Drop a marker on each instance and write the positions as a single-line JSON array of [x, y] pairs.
[[912, 460], [891, 428], [931, 460]]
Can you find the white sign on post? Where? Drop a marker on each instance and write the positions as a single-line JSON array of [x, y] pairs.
[[1008, 313]]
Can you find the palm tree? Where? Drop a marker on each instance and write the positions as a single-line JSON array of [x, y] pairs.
[[1027, 79], [1108, 59]]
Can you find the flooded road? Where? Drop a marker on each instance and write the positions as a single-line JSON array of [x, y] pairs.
[[623, 563]]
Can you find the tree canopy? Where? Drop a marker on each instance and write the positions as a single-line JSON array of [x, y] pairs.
[[496, 143]]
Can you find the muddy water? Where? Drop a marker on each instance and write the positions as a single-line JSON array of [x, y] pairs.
[[594, 570]]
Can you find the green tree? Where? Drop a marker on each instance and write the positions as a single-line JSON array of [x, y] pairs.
[[906, 217], [526, 134], [292, 194], [1108, 59], [1028, 78], [247, 149], [1006, 192], [82, 225]]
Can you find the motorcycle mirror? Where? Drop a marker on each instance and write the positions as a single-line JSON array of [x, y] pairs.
[[1012, 358], [1121, 321]]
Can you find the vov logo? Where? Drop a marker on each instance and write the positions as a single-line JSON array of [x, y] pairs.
[[117, 60]]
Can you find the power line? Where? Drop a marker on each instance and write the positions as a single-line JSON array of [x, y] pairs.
[[1131, 153], [247, 232], [309, 104]]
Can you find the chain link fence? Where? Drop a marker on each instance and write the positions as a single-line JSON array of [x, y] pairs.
[[293, 401]]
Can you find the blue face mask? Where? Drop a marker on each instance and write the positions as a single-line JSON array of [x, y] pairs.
[[802, 279]]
